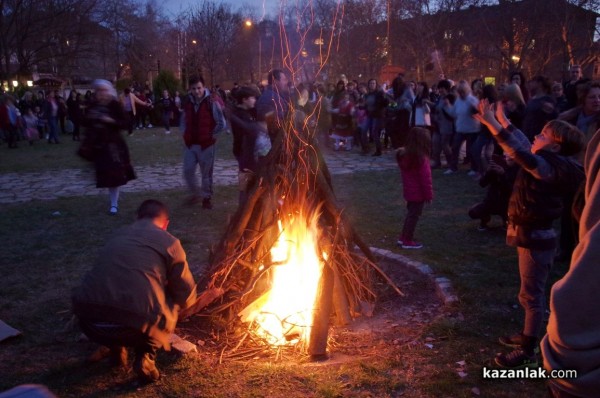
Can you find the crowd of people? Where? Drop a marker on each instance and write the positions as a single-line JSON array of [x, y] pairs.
[[523, 139]]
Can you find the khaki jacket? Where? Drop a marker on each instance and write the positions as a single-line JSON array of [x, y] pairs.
[[141, 280]]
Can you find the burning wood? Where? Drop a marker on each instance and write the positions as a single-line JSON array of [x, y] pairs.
[[286, 260]]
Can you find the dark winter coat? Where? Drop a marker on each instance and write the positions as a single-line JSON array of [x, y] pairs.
[[110, 152]]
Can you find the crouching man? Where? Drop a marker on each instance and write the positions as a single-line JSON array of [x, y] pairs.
[[132, 295]]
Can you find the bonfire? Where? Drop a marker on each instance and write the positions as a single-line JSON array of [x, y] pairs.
[[287, 267]]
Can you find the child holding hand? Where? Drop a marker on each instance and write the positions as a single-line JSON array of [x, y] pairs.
[[413, 160]]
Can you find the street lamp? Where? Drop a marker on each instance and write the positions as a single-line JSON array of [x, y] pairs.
[[15, 83], [248, 24]]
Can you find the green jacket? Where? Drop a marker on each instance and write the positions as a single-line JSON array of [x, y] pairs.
[[141, 279]]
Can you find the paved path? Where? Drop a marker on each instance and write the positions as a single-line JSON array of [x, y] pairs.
[[23, 187]]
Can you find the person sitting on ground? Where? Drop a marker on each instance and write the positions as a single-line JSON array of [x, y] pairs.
[[132, 295], [548, 172], [499, 178]]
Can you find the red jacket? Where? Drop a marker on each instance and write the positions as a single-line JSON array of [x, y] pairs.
[[199, 124], [416, 178]]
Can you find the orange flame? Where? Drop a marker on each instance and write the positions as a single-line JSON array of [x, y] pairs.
[[286, 315]]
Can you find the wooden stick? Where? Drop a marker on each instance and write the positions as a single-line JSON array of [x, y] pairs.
[[340, 300], [317, 345]]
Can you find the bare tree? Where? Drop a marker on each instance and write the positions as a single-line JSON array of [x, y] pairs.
[[214, 27], [29, 40]]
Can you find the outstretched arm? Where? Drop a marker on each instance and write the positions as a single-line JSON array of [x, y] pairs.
[[486, 116]]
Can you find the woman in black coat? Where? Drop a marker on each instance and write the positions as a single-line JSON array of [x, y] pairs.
[[104, 144]]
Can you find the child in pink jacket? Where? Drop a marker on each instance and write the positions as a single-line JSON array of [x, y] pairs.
[[413, 160]]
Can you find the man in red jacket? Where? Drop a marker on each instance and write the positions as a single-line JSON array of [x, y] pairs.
[[201, 120]]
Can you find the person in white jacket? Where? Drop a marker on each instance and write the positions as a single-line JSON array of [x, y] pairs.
[[466, 126]]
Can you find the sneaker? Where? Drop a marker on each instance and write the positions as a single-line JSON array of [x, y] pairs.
[[206, 204], [145, 367], [399, 242], [515, 341], [168, 132], [449, 171], [516, 359], [472, 173], [410, 244], [149, 126], [113, 210]]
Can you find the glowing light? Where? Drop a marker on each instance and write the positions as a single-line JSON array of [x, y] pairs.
[[29, 83], [287, 313], [15, 83], [248, 23], [194, 41], [515, 58]]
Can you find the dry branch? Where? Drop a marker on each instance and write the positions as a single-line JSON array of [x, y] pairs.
[[292, 179]]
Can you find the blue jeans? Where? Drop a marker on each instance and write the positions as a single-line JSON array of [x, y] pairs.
[[483, 147], [205, 158], [53, 129], [457, 143], [373, 128], [534, 267], [166, 118]]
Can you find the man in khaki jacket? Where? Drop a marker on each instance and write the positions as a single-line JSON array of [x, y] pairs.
[[132, 295]]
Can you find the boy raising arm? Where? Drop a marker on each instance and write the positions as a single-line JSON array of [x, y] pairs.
[[548, 171]]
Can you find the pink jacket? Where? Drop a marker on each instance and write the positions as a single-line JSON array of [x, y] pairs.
[[416, 181]]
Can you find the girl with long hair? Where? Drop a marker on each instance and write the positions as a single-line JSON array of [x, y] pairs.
[[413, 161]]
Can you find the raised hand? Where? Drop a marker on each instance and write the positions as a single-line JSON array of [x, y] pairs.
[[500, 116], [486, 116]]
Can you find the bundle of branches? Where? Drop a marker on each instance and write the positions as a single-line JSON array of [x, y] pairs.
[[292, 182]]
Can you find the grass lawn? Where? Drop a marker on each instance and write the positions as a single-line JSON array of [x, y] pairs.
[[48, 245]]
